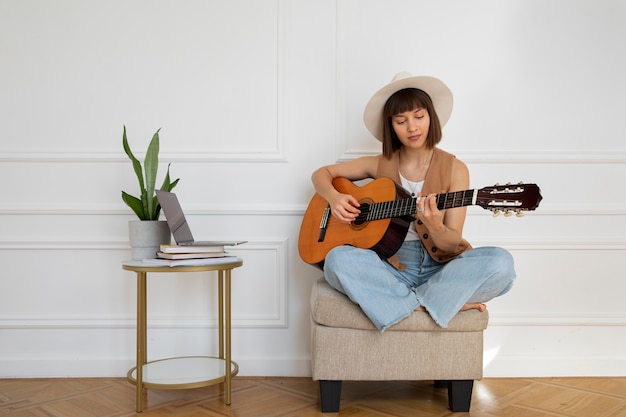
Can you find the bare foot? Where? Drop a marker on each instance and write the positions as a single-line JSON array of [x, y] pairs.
[[474, 306]]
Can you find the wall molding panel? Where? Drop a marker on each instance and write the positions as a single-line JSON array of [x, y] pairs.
[[82, 156], [525, 156], [587, 208], [519, 244], [480, 156], [275, 249], [201, 322], [253, 96], [557, 320]]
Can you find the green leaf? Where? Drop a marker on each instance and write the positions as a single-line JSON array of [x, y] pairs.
[[135, 161], [151, 166], [174, 184], [167, 186], [135, 204]]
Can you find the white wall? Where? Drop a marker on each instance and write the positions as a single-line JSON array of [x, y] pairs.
[[251, 97]]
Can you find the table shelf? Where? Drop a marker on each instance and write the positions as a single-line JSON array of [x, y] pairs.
[[183, 372]]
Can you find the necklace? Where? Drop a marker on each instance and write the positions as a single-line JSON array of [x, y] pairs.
[[413, 184]]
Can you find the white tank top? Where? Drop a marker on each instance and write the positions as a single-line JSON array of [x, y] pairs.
[[414, 188]]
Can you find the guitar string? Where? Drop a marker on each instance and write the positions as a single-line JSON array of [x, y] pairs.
[[401, 207]]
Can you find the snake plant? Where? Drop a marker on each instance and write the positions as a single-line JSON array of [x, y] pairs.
[[147, 206]]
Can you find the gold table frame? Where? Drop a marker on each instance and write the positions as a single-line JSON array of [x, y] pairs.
[[224, 329]]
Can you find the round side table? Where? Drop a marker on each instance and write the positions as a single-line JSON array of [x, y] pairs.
[[184, 372]]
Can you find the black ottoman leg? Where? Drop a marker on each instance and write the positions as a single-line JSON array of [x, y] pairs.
[[460, 395], [330, 394], [441, 383]]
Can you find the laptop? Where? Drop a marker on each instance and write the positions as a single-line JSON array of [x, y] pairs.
[[178, 223]]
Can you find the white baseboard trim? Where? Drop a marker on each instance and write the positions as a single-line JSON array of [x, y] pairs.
[[500, 367], [118, 368], [65, 368], [551, 366]]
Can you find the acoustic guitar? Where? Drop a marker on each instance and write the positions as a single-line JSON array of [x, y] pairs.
[[387, 210]]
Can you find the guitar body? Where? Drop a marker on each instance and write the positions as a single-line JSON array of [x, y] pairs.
[[384, 236]]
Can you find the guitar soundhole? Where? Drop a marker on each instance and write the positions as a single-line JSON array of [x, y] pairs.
[[361, 221]]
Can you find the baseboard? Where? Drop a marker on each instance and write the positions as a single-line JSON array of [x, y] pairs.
[[112, 368], [64, 368], [552, 366], [499, 367]]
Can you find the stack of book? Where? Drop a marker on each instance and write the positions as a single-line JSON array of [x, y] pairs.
[[190, 252], [176, 255]]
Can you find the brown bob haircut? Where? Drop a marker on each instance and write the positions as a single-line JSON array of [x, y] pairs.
[[406, 100]]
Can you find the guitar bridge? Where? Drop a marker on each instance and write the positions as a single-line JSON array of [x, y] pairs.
[[324, 224]]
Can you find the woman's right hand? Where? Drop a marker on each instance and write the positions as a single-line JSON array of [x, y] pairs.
[[344, 208]]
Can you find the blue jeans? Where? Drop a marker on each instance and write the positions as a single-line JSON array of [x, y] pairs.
[[387, 295]]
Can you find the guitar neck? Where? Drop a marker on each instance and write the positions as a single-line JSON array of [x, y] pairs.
[[456, 199], [408, 206]]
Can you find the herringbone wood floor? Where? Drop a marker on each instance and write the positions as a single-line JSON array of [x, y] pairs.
[[275, 397]]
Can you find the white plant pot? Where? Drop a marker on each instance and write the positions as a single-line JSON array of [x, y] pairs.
[[146, 236]]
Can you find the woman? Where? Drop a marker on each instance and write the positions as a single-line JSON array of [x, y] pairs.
[[435, 269]]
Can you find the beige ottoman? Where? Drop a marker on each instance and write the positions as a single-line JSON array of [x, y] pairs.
[[345, 346]]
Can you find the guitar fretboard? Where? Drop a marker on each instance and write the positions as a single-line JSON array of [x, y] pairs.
[[408, 206]]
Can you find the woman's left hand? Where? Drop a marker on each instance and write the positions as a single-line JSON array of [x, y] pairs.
[[429, 214]]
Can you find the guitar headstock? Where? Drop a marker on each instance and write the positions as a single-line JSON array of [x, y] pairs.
[[510, 198]]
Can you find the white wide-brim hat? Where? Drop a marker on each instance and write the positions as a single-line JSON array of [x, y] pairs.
[[439, 93]]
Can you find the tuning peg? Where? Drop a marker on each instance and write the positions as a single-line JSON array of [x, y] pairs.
[[508, 213], [519, 214], [496, 213]]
